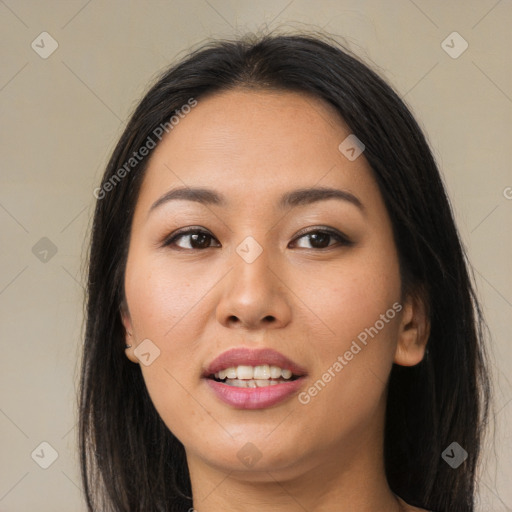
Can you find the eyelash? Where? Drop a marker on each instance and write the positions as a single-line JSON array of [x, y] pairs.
[[342, 239]]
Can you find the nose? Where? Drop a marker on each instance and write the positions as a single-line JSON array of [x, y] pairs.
[[254, 297]]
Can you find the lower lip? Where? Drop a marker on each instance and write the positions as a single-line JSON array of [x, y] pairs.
[[254, 398]]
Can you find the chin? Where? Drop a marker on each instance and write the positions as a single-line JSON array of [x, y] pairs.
[[254, 457]]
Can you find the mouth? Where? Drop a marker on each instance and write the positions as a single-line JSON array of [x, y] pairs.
[[253, 379]]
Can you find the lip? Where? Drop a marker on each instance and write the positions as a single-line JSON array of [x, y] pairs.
[[253, 398], [252, 357]]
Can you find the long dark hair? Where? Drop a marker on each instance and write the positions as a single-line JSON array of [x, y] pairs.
[[130, 461]]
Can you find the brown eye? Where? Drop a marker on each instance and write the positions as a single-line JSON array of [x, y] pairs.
[[322, 239], [191, 239]]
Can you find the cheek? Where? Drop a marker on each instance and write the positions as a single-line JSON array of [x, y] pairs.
[[350, 296], [158, 310], [167, 307], [345, 396], [354, 345], [159, 295]]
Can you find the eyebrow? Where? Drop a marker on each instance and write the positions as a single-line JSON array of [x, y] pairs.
[[294, 198]]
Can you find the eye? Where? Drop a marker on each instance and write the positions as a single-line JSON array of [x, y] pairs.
[[322, 239], [195, 239], [199, 239]]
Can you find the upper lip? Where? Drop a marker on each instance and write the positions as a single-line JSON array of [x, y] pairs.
[[252, 357]]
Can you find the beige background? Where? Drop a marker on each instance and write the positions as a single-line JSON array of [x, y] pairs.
[[61, 117]]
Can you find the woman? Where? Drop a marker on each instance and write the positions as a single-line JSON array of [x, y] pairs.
[[279, 312]]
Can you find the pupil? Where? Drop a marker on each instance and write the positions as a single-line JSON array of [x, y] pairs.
[[199, 239], [319, 239]]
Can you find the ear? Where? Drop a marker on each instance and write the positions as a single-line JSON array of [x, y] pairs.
[[129, 338], [414, 331]]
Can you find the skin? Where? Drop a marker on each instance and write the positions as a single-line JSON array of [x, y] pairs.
[[305, 301]]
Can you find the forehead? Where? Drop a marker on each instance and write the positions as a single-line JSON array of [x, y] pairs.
[[247, 142], [249, 121]]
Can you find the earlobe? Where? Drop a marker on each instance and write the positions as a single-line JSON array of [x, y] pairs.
[[129, 348], [129, 341], [414, 331]]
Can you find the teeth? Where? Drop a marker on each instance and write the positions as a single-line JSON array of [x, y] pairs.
[[275, 372], [245, 372], [231, 373], [261, 373], [252, 383], [286, 374]]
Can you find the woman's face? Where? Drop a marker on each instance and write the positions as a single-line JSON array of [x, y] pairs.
[[276, 262]]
